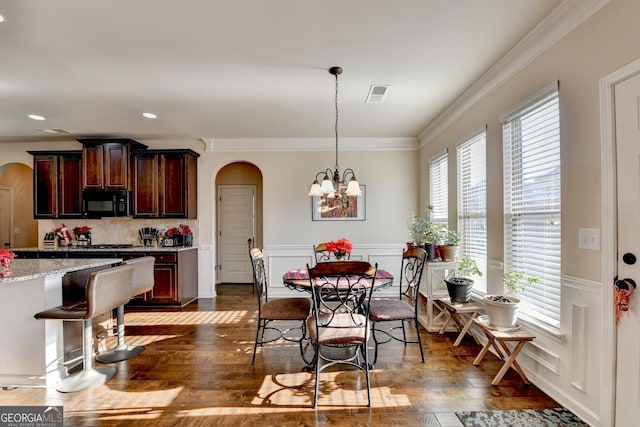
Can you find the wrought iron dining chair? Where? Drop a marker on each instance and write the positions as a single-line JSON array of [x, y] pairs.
[[339, 326], [286, 309], [404, 309], [323, 255]]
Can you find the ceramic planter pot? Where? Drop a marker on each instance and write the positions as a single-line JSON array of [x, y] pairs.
[[459, 289], [449, 252], [431, 251], [502, 314]]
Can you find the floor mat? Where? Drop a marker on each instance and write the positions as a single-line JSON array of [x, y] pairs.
[[558, 417]]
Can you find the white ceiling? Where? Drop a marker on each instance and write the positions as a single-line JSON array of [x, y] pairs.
[[245, 68]]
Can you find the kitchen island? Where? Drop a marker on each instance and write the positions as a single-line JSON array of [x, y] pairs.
[[33, 351], [175, 270]]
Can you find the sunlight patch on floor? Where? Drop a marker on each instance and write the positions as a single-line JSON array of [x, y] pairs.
[[340, 389], [112, 342], [185, 318], [142, 404]]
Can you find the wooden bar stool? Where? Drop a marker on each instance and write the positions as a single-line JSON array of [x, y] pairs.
[[106, 290], [143, 281]]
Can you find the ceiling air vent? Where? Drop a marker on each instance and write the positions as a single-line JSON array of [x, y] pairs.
[[377, 94], [54, 131]]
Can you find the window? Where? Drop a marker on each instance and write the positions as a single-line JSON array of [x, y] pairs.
[[439, 189], [472, 201], [531, 156]]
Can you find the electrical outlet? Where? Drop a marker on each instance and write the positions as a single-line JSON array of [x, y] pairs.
[[589, 239]]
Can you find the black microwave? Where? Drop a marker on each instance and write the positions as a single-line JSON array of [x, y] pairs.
[[106, 203]]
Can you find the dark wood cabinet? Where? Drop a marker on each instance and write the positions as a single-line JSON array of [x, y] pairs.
[[145, 185], [57, 191], [105, 166], [45, 186], [176, 278], [165, 184], [70, 188], [165, 289], [178, 192]]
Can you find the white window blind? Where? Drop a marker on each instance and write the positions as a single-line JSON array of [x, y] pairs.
[[531, 143], [439, 188], [472, 201]]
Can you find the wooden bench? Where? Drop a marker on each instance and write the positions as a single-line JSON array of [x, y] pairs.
[[461, 314], [508, 356]]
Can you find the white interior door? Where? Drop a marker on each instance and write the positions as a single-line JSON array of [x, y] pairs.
[[5, 216], [236, 224], [627, 126]]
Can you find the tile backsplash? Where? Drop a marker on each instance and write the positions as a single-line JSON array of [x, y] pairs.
[[116, 230]]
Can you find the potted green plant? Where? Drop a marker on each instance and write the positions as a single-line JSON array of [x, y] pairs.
[[502, 310], [424, 232], [460, 284], [450, 244]]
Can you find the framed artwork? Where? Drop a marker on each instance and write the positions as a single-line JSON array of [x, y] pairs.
[[345, 208]]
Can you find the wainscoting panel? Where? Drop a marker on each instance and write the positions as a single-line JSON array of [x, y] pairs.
[[578, 346], [543, 357]]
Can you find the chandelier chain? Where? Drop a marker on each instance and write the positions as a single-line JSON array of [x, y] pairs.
[[336, 127]]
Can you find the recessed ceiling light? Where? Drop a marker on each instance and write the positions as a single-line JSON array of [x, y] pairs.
[[1, 18], [36, 117], [149, 116]]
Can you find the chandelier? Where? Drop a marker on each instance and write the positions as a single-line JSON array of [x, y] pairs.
[[333, 184]]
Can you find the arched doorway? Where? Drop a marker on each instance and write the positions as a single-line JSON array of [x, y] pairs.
[[239, 213], [18, 229]]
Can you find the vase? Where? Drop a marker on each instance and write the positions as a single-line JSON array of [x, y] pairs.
[[431, 251], [340, 255], [502, 314], [6, 267], [448, 252], [459, 289]]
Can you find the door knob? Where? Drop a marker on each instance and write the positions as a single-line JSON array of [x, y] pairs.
[[625, 284], [629, 258]]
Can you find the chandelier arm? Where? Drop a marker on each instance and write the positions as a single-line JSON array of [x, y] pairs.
[[348, 174]]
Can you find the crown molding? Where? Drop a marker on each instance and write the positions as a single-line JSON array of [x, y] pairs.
[[309, 144], [564, 19]]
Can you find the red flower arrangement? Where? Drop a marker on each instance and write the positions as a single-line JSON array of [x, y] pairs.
[[6, 254], [183, 230], [340, 247], [5, 262], [81, 230], [63, 234]]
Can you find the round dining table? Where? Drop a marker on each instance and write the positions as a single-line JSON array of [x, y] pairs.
[[299, 279]]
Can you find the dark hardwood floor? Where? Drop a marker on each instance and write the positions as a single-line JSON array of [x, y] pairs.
[[196, 370]]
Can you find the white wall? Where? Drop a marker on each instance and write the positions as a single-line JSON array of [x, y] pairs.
[[390, 177], [568, 364]]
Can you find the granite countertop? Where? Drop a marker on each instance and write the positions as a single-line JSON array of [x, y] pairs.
[[27, 269], [97, 249]]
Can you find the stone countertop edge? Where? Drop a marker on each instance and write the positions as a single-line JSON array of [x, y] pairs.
[[118, 250], [28, 269]]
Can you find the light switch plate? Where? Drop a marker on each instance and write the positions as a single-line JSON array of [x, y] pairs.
[[589, 239]]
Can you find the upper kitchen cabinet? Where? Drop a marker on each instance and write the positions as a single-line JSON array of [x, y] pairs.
[[165, 184], [105, 163], [57, 184], [144, 184]]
